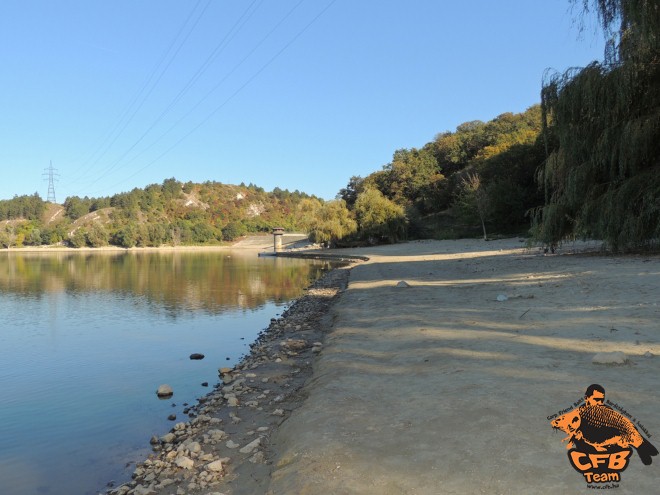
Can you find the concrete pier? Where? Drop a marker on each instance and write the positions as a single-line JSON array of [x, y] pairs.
[[278, 232]]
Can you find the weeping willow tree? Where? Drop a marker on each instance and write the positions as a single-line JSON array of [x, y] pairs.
[[601, 124]]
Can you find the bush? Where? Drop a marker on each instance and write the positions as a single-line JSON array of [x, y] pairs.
[[125, 237], [97, 236], [79, 238], [233, 230], [203, 232]]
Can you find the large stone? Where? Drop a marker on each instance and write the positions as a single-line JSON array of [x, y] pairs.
[[184, 462], [168, 438], [165, 483], [216, 435], [165, 391], [294, 344], [616, 357], [191, 446], [143, 490], [251, 447], [218, 466], [197, 356]]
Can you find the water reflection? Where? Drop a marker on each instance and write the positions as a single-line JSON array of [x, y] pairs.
[[208, 281]]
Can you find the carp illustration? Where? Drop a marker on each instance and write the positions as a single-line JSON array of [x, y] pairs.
[[603, 428]]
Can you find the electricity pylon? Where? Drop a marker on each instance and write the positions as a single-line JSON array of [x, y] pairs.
[[52, 178]]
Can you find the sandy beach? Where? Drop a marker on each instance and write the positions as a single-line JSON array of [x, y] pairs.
[[435, 370]]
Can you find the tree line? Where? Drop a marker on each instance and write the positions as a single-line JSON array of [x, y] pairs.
[[476, 180], [171, 213]]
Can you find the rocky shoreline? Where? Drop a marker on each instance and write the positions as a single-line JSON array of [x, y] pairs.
[[225, 448]]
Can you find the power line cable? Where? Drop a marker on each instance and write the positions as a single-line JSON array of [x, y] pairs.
[[139, 99], [217, 86], [238, 25], [232, 96], [153, 86]]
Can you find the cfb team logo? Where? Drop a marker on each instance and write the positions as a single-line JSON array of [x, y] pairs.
[[601, 438]]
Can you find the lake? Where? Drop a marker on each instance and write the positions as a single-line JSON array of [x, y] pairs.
[[87, 338]]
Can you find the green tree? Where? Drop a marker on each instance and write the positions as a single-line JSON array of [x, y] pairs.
[[53, 234], [601, 177], [78, 238], [76, 207], [126, 236], [22, 207], [454, 151], [35, 237], [332, 223], [202, 233], [233, 230], [350, 193], [157, 234], [7, 236], [307, 212], [414, 178], [379, 218], [97, 235], [171, 189]]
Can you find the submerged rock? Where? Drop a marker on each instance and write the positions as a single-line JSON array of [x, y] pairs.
[[165, 391], [196, 355]]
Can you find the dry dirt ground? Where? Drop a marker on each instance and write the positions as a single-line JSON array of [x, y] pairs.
[[441, 388]]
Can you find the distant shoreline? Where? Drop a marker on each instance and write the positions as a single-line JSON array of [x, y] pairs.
[[62, 249], [255, 243]]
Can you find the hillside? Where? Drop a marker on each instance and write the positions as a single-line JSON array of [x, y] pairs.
[[171, 213]]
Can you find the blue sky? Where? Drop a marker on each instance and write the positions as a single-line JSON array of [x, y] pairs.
[[296, 94]]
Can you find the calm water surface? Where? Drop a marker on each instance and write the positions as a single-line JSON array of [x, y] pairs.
[[85, 340]]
